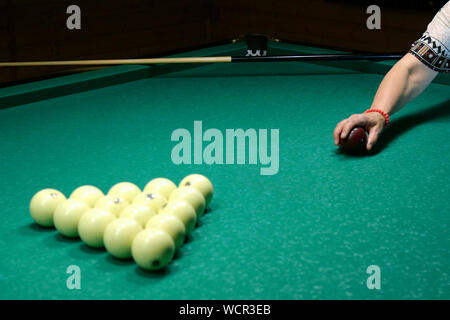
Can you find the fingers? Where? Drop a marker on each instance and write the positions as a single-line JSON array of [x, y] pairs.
[[374, 133], [344, 127], [337, 132], [347, 127], [372, 123]]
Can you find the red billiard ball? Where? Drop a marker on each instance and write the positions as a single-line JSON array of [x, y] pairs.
[[355, 142]]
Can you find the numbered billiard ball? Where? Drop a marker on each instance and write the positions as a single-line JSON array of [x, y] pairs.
[[183, 211], [88, 194], [119, 236], [138, 212], [355, 142], [92, 225], [43, 205], [170, 224], [125, 190], [201, 183], [112, 204], [67, 215], [192, 196], [153, 249], [162, 186], [153, 200]]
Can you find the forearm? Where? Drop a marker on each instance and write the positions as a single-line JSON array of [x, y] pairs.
[[404, 82]]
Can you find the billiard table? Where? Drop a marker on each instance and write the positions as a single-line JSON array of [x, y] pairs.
[[313, 227]]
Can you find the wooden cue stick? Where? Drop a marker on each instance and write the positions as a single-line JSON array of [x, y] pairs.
[[116, 62], [304, 57]]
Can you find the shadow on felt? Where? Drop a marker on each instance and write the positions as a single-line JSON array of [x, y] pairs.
[[406, 123], [34, 227]]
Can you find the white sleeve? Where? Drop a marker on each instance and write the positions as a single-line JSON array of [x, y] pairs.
[[433, 48]]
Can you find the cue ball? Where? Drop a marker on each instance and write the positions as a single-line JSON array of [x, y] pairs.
[[43, 205], [88, 194], [112, 204], [201, 183], [192, 196], [183, 211], [138, 212], [92, 225], [152, 249], [119, 236], [162, 186], [125, 190], [153, 200], [355, 142], [170, 224], [67, 215]]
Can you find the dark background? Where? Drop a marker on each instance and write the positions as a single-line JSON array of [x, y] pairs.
[[36, 29], [414, 4]]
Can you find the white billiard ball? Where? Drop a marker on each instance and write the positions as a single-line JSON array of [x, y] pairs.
[[43, 205], [170, 224], [138, 212], [119, 236], [153, 249], [152, 200], [162, 186], [92, 225], [201, 183], [112, 203], [67, 215], [183, 211], [125, 190], [88, 194], [192, 196]]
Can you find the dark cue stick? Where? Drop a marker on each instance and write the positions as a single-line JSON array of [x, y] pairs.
[[318, 57]]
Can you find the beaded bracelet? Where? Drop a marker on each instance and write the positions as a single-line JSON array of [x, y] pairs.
[[385, 115]]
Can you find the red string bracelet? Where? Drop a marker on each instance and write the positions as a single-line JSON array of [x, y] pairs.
[[385, 115]]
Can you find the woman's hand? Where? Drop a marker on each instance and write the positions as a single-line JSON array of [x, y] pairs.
[[373, 122]]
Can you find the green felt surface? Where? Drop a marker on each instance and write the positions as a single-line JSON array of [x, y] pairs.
[[308, 232]]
